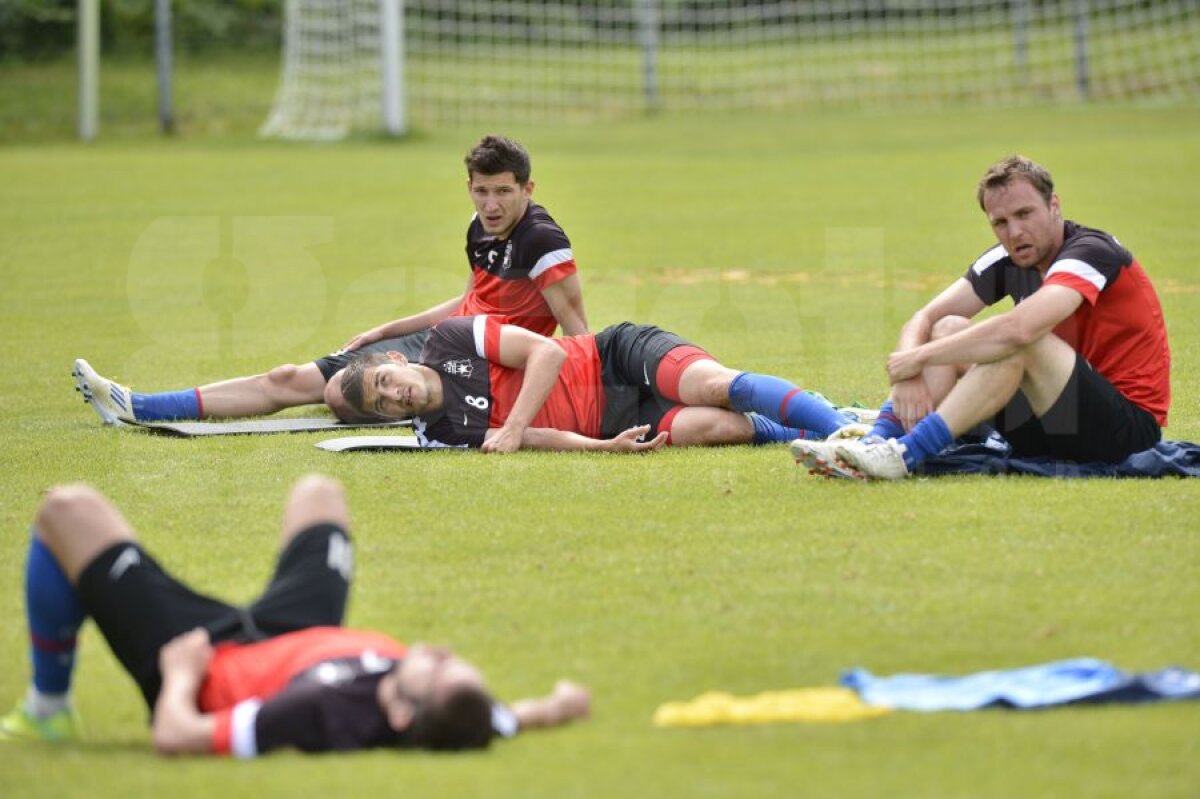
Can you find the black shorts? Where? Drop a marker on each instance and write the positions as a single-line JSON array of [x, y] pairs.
[[1090, 421], [409, 345], [630, 357], [139, 607]]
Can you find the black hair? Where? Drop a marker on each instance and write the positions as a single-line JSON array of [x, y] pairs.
[[497, 154]]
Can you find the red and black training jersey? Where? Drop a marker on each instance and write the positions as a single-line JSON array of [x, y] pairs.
[[1118, 328], [312, 690], [508, 275], [478, 392]]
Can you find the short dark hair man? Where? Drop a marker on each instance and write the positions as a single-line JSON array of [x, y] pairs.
[[283, 671], [482, 383], [1078, 370], [521, 264]]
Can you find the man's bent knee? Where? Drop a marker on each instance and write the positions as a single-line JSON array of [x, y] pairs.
[[284, 376], [948, 326], [60, 504], [314, 499]]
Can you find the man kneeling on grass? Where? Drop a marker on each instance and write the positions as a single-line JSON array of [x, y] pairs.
[[283, 671], [482, 383]]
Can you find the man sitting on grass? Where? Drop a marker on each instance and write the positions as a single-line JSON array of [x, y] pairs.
[[482, 383], [283, 671], [1079, 370]]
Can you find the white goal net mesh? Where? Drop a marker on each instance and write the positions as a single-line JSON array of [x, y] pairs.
[[468, 61]]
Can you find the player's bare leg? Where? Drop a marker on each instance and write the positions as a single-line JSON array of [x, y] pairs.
[[1040, 370], [284, 386], [77, 523], [74, 525], [709, 427], [314, 499]]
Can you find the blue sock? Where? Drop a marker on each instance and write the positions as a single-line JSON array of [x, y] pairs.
[[167, 405], [769, 432], [928, 438], [54, 615], [888, 424], [782, 402]]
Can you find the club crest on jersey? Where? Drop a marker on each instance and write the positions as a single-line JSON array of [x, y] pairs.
[[459, 367], [507, 256]]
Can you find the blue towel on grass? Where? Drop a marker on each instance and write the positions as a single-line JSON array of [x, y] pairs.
[[994, 456], [1064, 682]]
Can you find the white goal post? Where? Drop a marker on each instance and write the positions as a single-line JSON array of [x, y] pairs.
[[384, 64]]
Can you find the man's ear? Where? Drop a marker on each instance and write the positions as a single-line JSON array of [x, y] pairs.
[[1055, 205], [398, 357], [528, 188], [400, 714]]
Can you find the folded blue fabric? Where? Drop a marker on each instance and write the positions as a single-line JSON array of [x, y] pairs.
[[1064, 682], [994, 456]]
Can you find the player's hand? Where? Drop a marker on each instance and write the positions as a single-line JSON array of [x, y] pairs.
[[362, 340], [905, 365], [630, 440], [574, 701], [187, 654], [505, 439], [911, 401]]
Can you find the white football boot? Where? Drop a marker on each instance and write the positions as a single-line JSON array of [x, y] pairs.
[[111, 401]]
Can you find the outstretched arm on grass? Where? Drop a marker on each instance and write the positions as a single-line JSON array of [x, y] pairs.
[[569, 702], [547, 438]]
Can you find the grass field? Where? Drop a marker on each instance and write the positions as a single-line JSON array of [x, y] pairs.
[[794, 244]]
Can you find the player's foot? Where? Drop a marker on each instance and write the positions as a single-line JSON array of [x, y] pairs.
[[19, 725], [112, 402], [848, 432], [878, 460], [820, 457]]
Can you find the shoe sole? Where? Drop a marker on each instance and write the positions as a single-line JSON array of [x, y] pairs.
[[85, 388], [818, 464]]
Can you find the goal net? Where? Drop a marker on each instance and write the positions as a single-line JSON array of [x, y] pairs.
[[471, 61]]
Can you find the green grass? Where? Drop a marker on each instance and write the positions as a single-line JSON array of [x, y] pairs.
[[788, 244]]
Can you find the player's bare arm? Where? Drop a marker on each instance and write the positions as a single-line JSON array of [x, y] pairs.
[[992, 339], [550, 439], [569, 701], [179, 726], [541, 359], [565, 299], [408, 324]]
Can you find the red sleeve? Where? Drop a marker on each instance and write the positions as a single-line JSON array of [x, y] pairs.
[[491, 337]]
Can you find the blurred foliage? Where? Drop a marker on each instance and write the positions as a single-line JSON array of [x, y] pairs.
[[32, 29]]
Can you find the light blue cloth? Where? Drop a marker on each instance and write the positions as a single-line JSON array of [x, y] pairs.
[[1059, 683]]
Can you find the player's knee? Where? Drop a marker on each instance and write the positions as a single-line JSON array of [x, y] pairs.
[[948, 326], [61, 503], [283, 376], [320, 488]]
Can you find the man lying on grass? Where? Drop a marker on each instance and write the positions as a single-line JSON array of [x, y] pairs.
[[283, 671], [482, 383]]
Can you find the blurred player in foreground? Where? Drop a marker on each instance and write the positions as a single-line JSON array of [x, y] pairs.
[[280, 672]]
